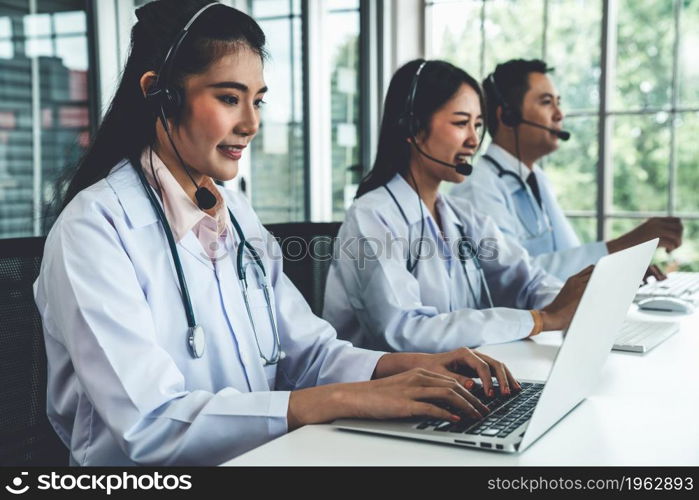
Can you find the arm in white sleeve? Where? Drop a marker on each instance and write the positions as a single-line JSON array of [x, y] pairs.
[[315, 356], [512, 276], [100, 317], [565, 263], [386, 299]]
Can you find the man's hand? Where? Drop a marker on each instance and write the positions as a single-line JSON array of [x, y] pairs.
[[668, 229]]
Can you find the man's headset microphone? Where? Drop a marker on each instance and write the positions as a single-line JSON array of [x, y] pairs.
[[512, 117]]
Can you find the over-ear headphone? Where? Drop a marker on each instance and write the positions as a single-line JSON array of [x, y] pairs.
[[408, 123], [511, 116], [163, 98], [166, 101]]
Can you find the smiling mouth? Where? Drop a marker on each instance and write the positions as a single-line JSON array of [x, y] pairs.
[[232, 152], [463, 158]]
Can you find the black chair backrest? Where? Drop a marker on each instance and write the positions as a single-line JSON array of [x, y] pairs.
[[307, 248], [26, 436]]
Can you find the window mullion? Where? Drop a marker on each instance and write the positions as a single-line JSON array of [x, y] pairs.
[[607, 78], [672, 181], [36, 135], [318, 113]]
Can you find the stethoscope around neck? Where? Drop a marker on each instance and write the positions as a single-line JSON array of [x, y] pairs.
[[547, 224], [196, 338], [465, 252]]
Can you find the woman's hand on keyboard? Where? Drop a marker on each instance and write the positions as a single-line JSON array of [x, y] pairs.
[[460, 364], [413, 393], [407, 385]]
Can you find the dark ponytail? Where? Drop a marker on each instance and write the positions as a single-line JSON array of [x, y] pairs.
[[439, 81], [129, 124]]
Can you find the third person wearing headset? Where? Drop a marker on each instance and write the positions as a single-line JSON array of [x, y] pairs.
[[418, 270], [525, 122]]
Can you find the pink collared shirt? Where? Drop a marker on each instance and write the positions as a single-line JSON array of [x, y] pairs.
[[209, 226]]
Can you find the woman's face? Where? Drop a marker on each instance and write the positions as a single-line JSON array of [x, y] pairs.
[[221, 114], [453, 135]]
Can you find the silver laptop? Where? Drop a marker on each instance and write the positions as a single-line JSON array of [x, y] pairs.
[[515, 423]]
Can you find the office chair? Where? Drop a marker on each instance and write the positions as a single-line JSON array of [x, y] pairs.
[[307, 248], [26, 436]]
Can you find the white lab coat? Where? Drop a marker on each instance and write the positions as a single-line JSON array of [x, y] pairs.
[[544, 231], [122, 386], [372, 297]]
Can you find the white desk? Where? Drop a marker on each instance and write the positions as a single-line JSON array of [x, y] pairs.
[[643, 412]]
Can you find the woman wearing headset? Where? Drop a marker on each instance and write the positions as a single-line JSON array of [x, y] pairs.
[[418, 270], [170, 337]]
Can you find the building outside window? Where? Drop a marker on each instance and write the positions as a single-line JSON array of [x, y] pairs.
[[45, 113]]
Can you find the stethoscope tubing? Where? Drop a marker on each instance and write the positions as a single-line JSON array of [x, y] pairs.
[[411, 267], [195, 330]]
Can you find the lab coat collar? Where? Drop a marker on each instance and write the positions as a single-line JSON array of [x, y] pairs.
[[446, 212], [510, 163], [125, 182], [407, 197], [452, 226]]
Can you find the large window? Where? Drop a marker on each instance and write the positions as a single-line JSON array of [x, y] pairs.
[[288, 156], [343, 19], [278, 157], [44, 113], [628, 75]]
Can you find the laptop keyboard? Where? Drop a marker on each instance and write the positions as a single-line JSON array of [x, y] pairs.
[[507, 414]]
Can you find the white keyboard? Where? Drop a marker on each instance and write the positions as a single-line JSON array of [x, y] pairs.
[[678, 284], [642, 336]]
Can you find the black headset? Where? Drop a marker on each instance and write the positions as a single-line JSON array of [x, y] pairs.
[[165, 99], [511, 116], [408, 123]]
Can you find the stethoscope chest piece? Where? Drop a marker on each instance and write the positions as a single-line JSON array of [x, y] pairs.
[[196, 341]]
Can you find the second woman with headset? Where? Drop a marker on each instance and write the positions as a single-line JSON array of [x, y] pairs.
[[418, 270]]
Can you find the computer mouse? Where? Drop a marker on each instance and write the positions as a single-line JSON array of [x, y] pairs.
[[671, 304]]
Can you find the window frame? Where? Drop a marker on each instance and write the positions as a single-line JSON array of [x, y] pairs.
[[604, 212]]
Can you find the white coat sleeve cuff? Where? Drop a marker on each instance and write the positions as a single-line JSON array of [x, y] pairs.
[[351, 364], [598, 249], [367, 366], [526, 324], [278, 410]]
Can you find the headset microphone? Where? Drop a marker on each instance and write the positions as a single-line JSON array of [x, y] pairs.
[[409, 124], [462, 168], [511, 116], [563, 135], [166, 101]]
